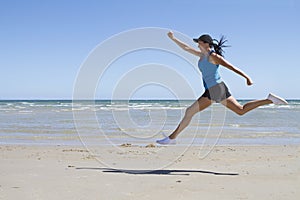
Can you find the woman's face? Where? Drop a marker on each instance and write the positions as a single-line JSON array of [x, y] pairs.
[[203, 46]]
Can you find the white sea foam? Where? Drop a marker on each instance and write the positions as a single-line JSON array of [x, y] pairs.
[[55, 117]]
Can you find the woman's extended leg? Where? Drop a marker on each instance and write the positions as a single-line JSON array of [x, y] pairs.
[[239, 109], [197, 106]]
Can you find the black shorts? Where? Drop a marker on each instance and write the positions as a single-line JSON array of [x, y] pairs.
[[217, 92]]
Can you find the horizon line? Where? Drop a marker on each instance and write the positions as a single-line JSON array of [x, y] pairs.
[[138, 99]]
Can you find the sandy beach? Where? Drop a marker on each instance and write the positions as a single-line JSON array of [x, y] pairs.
[[227, 172]]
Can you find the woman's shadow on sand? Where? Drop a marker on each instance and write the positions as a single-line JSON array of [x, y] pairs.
[[157, 172]]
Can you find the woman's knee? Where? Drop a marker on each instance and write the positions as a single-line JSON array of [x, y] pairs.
[[237, 109], [240, 111], [233, 105], [189, 112]]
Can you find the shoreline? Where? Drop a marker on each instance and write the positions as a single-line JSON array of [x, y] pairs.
[[183, 141], [79, 145]]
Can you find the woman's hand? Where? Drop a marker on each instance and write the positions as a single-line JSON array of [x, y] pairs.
[[171, 35], [249, 81]]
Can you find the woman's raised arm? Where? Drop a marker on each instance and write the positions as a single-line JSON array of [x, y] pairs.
[[183, 45]]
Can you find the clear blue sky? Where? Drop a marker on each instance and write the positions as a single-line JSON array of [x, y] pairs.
[[44, 43]]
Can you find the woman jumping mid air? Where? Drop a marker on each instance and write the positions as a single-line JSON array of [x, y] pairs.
[[210, 57]]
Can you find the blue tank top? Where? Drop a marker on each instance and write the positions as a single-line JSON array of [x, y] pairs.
[[210, 72]]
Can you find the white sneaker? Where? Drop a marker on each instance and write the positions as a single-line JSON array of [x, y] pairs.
[[166, 141], [277, 100]]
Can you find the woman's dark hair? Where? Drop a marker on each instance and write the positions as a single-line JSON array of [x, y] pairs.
[[219, 45]]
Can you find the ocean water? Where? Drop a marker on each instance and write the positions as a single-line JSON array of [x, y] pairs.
[[104, 122]]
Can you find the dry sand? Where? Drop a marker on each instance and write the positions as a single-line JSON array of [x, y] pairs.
[[227, 172]]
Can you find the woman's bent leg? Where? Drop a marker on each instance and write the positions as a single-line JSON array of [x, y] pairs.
[[233, 105]]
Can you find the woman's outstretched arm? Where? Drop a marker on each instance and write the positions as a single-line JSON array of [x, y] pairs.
[[221, 61], [183, 45]]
